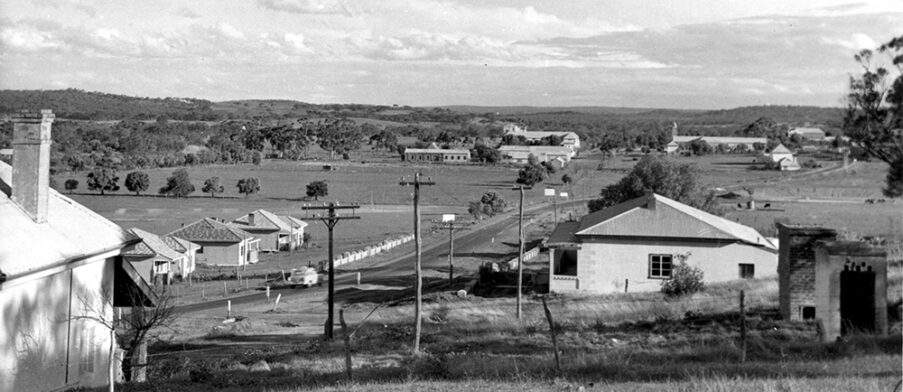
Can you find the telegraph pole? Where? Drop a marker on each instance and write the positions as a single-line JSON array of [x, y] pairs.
[[451, 227], [520, 252], [331, 220], [418, 284]]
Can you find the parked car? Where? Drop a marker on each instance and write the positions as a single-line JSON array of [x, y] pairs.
[[305, 277]]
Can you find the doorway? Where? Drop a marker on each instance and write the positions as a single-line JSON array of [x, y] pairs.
[[857, 300]]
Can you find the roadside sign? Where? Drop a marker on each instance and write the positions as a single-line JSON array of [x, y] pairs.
[[564, 195], [448, 217], [550, 192]]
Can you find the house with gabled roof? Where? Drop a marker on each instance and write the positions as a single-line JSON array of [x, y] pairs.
[[62, 271], [635, 245], [220, 243], [296, 239], [152, 257], [275, 232], [187, 248]]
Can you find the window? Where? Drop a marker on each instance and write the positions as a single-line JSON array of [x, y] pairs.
[[660, 266], [200, 250], [747, 271], [808, 312]]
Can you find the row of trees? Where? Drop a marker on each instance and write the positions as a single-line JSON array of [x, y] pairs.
[[177, 185]]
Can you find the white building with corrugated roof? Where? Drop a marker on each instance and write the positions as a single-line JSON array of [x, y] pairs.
[[62, 271], [634, 246]]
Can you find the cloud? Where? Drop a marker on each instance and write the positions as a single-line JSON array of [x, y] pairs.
[[296, 41], [28, 38], [60, 4], [187, 13], [323, 7], [857, 41]]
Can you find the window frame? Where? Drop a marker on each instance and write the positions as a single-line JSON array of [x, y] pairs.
[[661, 257], [752, 268]]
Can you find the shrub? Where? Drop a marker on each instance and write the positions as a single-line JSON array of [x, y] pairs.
[[685, 279]]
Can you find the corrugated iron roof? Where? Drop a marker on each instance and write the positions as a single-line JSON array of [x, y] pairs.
[[654, 215], [563, 233], [71, 230]]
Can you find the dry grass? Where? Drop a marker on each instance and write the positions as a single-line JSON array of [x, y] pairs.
[[638, 342]]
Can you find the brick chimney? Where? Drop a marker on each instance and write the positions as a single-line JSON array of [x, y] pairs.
[[31, 162], [251, 219], [796, 268]]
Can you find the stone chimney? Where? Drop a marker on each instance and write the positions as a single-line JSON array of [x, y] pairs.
[[31, 162], [251, 219]]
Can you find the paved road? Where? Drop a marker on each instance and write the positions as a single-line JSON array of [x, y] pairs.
[[433, 256]]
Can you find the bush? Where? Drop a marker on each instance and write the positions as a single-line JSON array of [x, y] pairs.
[[685, 279]]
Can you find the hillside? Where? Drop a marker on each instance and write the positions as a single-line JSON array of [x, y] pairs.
[[85, 105]]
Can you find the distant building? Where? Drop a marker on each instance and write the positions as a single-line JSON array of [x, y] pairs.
[[434, 154], [220, 243], [61, 265], [635, 245], [811, 134], [568, 139], [672, 147], [275, 233], [729, 142], [785, 159], [521, 154]]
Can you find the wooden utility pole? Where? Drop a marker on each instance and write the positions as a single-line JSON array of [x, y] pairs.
[[451, 226], [520, 252], [331, 220], [742, 326], [418, 284]]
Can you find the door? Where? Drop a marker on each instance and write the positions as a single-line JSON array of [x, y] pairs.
[[857, 301]]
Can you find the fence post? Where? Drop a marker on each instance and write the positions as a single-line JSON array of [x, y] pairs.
[[224, 288], [228, 308], [626, 284], [276, 305], [268, 294], [742, 326], [347, 339], [552, 333], [358, 278]]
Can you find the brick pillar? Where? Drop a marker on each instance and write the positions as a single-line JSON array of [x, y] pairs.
[[796, 267]]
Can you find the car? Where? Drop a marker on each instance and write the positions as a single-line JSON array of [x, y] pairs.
[[305, 277]]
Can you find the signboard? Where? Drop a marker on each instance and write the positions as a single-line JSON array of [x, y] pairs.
[[550, 192], [448, 217], [564, 195]]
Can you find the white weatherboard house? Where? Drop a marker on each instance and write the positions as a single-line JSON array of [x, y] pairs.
[[61, 273], [275, 232], [634, 246]]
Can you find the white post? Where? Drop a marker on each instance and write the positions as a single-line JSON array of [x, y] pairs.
[[276, 305], [229, 308], [268, 294], [358, 278]]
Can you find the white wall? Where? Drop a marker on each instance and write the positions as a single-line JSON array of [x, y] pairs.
[[40, 325], [602, 267]]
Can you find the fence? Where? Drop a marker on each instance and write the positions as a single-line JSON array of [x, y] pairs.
[[372, 250]]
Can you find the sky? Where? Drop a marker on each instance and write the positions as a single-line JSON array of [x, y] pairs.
[[687, 54]]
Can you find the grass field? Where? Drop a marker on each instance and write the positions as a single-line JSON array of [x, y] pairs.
[[638, 342]]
